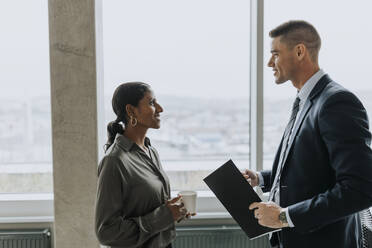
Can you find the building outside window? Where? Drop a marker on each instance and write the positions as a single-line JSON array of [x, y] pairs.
[[25, 118], [195, 55]]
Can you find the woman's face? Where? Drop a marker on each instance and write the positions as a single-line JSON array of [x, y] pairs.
[[148, 111]]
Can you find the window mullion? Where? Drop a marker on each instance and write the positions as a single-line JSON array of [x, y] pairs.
[[256, 85]]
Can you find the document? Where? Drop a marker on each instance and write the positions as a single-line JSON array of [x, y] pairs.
[[236, 194]]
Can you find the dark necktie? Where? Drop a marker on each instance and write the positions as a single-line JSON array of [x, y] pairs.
[[287, 134]]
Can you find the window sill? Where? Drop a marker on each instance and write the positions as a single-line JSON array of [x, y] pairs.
[[26, 208], [36, 208], [27, 219]]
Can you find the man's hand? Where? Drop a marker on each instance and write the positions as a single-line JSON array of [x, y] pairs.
[[267, 214], [252, 177]]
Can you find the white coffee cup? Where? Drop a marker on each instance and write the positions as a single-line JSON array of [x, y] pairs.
[[189, 200]]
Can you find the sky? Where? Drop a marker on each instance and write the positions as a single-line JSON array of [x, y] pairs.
[[195, 47], [24, 48]]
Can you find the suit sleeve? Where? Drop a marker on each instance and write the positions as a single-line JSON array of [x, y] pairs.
[[113, 227], [266, 186], [343, 126]]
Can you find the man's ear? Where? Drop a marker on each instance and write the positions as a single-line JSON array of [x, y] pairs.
[[300, 51]]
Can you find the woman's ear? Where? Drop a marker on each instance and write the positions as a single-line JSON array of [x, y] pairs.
[[129, 109]]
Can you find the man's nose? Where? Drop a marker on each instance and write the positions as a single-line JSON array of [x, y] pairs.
[[270, 63]]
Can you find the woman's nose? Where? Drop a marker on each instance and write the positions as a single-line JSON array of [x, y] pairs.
[[159, 108]]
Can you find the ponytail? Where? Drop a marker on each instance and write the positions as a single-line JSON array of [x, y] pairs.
[[113, 128], [126, 93]]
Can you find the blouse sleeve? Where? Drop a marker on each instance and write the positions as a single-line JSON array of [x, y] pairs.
[[112, 226]]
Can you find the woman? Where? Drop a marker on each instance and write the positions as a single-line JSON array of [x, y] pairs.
[[133, 207]]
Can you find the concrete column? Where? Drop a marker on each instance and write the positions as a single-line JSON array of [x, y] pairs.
[[74, 120]]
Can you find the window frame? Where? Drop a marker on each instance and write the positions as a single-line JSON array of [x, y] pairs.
[[25, 208]]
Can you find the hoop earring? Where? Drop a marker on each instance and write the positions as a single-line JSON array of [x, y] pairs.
[[133, 121]]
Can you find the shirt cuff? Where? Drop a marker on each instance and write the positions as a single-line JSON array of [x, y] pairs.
[[261, 181], [158, 220], [290, 223]]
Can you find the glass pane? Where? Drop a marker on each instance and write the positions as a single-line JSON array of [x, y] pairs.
[[344, 55], [195, 55], [25, 126]]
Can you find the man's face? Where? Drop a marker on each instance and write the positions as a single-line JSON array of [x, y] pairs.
[[282, 61]]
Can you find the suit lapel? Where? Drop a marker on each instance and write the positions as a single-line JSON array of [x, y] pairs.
[[317, 89], [296, 128]]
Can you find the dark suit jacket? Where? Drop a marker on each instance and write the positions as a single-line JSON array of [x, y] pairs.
[[327, 173]]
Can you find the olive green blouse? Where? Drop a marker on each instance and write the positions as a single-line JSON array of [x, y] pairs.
[[131, 196]]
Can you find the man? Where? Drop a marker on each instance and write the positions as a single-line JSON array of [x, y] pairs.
[[322, 173]]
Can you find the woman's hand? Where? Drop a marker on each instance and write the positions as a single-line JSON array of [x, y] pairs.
[[177, 208]]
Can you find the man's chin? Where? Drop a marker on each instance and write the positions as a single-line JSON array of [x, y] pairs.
[[280, 81]]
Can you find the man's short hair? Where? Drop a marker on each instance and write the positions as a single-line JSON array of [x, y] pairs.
[[293, 33]]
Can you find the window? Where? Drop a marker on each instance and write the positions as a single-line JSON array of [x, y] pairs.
[[195, 55], [25, 126], [344, 55]]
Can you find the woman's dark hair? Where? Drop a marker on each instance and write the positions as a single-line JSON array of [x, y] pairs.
[[126, 93]]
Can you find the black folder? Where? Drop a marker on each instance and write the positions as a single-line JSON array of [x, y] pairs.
[[236, 194]]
